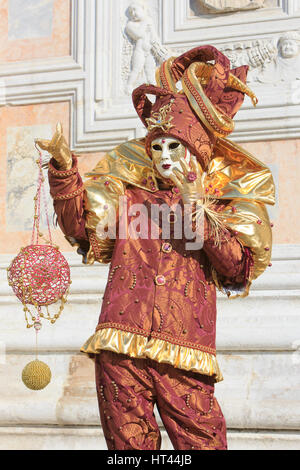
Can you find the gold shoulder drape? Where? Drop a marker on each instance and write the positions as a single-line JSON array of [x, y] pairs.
[[236, 175]]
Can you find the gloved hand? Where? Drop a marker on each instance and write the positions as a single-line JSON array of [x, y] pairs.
[[189, 181], [58, 148]]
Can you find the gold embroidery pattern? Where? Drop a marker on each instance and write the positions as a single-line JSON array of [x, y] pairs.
[[159, 118], [60, 173], [179, 342], [62, 197], [205, 111]]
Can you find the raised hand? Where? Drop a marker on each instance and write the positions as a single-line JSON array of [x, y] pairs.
[[189, 181], [58, 148]]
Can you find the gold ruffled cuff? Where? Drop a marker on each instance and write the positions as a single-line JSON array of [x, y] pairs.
[[115, 340], [183, 357], [135, 345]]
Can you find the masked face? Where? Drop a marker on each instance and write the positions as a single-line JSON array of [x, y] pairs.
[[167, 153]]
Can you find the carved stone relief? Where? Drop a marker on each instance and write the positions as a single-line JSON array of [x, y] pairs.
[[286, 64], [142, 49], [272, 61], [252, 53], [228, 6]]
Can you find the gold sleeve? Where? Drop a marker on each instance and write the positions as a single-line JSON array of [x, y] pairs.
[[102, 195], [126, 164], [247, 186], [249, 221]]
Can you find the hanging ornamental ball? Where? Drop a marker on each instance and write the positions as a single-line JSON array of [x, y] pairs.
[[39, 275], [36, 375]]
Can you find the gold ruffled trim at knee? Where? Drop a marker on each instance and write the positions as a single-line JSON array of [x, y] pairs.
[[116, 340], [135, 345], [183, 357]]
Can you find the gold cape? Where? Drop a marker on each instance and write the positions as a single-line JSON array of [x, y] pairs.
[[236, 175]]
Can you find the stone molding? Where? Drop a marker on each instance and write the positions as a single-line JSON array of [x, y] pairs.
[[92, 78]]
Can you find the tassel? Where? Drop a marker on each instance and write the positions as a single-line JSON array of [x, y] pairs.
[[215, 219]]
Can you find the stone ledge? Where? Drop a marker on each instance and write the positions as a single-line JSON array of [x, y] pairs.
[[260, 391], [266, 320], [91, 438]]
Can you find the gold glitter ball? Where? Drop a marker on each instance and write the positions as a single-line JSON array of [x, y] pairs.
[[36, 375]]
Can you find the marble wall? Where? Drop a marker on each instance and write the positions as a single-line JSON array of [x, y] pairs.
[[283, 158], [18, 178], [22, 176], [19, 127], [34, 29], [70, 61], [30, 19]]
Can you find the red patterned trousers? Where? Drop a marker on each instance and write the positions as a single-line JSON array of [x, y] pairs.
[[128, 388]]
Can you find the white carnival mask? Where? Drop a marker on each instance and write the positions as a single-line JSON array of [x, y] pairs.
[[167, 153]]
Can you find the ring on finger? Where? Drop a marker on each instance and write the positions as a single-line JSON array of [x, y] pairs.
[[191, 176]]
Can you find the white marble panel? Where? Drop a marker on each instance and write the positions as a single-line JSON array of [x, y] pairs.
[[29, 19], [260, 390], [22, 177]]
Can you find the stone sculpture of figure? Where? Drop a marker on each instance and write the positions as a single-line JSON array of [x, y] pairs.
[[141, 31], [227, 6], [286, 64], [155, 339]]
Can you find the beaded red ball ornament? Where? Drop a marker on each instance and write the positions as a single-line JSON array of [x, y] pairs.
[[39, 276]]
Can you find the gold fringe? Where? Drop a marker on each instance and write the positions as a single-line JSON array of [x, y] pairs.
[[135, 345], [216, 224]]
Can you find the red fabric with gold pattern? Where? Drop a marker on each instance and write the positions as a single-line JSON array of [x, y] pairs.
[[128, 389], [231, 100], [187, 301], [219, 76], [71, 210], [227, 99]]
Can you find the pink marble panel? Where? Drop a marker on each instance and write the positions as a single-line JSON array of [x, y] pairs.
[[283, 156], [18, 124], [57, 29]]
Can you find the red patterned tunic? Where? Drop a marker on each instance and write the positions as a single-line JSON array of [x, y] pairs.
[[160, 298]]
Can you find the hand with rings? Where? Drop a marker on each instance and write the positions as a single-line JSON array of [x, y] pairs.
[[189, 181]]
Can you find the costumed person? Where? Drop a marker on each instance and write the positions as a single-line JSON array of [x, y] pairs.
[[155, 340]]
